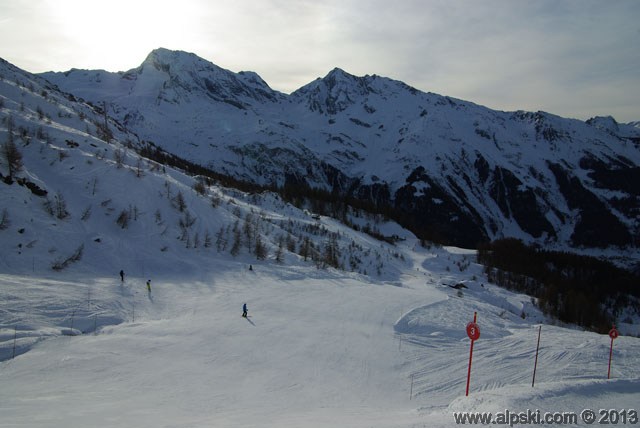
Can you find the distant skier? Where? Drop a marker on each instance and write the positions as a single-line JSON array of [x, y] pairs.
[[149, 286], [121, 275], [244, 310]]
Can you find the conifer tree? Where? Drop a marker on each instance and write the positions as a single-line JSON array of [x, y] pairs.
[[10, 153], [221, 240], [237, 242], [261, 251], [305, 248], [180, 202], [280, 251]]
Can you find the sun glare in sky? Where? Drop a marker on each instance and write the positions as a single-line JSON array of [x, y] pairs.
[[118, 34]]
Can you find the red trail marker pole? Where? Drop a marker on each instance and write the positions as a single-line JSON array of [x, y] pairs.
[[473, 331], [535, 365], [613, 334]]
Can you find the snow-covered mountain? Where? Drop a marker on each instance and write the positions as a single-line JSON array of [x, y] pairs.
[[450, 169], [83, 191], [379, 342]]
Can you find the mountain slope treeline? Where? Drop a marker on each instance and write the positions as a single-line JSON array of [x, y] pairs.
[[449, 169], [576, 289]]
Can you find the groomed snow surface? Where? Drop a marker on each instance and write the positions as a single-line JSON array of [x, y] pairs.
[[320, 348]]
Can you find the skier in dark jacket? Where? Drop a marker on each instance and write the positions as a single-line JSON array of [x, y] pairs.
[[121, 276], [244, 310]]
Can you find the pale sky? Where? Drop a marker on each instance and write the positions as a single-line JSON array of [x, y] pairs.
[[574, 58]]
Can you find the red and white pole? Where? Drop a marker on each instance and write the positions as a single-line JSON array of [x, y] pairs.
[[473, 331], [535, 365], [613, 334]]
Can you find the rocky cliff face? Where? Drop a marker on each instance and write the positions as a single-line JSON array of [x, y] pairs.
[[453, 170]]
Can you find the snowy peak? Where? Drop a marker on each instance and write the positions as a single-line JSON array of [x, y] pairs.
[[173, 77], [163, 59], [340, 79], [334, 93], [339, 90], [607, 124], [186, 73]]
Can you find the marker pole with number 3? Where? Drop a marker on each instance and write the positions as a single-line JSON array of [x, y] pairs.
[[473, 331], [613, 334]]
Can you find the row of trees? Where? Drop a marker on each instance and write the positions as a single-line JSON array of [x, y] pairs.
[[249, 232], [576, 289], [248, 235]]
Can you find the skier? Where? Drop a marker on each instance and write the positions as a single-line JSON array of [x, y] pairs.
[[121, 275], [244, 310], [149, 286]]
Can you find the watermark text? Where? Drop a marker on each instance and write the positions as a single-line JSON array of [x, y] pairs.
[[538, 417]]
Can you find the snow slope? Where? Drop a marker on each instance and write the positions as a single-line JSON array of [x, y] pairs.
[[320, 348]]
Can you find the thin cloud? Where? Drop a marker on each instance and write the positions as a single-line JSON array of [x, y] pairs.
[[573, 58]]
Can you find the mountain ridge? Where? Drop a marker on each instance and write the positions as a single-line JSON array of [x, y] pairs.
[[481, 174]]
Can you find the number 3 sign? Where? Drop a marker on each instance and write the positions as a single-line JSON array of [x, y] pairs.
[[473, 331]]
